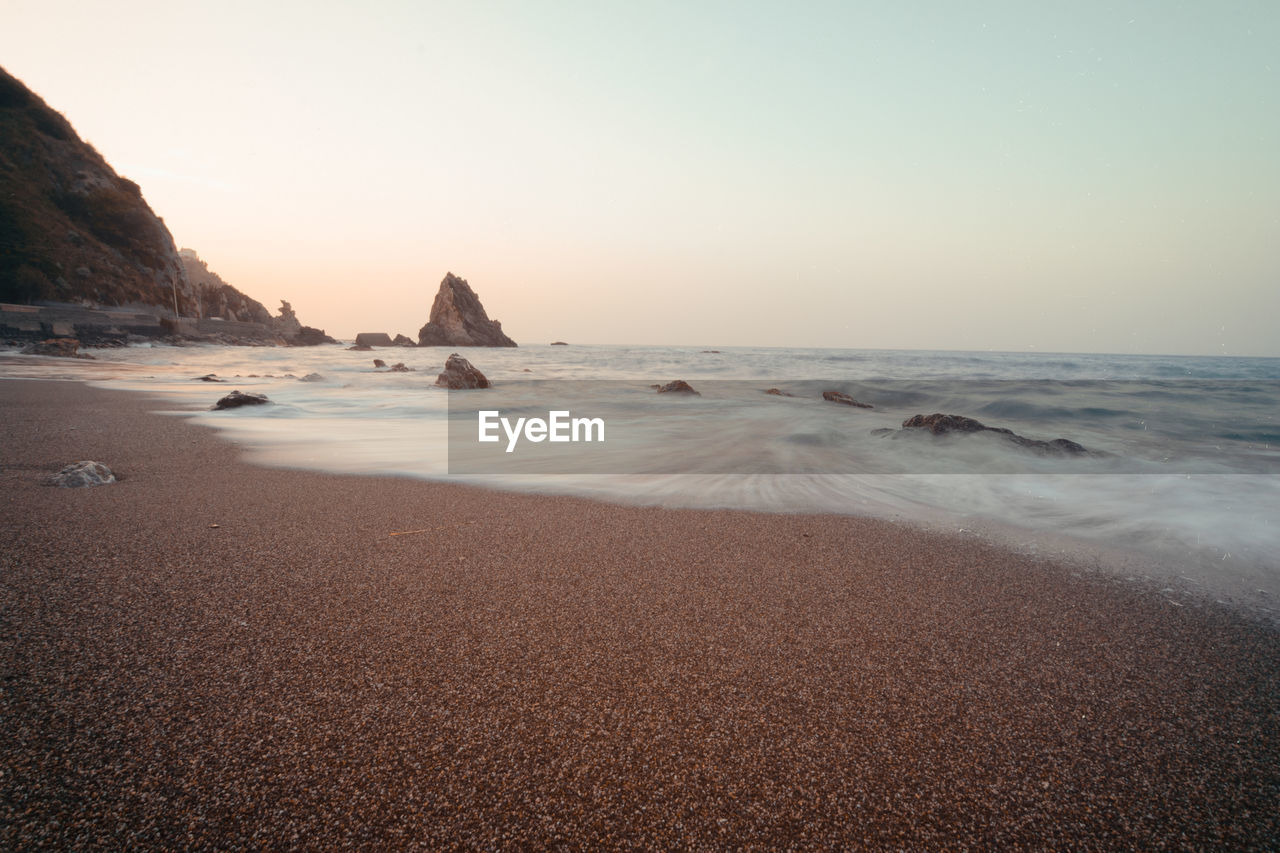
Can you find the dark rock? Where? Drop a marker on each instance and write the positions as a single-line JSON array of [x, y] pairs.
[[845, 399], [399, 367], [309, 337], [359, 348], [679, 386], [235, 400], [940, 424], [373, 339], [458, 319], [312, 377], [775, 392], [403, 341], [460, 374], [558, 344], [209, 377], [60, 347], [377, 362], [83, 474]]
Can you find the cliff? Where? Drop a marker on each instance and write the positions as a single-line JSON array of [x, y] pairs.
[[459, 320], [71, 229], [73, 232], [215, 298]]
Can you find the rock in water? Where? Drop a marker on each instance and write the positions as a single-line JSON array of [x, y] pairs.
[[459, 374], [373, 339], [458, 319], [679, 386], [61, 347], [82, 474], [845, 399], [235, 400], [940, 424]]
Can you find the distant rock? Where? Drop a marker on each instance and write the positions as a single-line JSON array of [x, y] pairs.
[[940, 424], [711, 352], [559, 344], [287, 323], [82, 474], [373, 339], [235, 400], [377, 362], [399, 367], [312, 377], [458, 319], [60, 347], [775, 392], [209, 377], [309, 337], [359, 348], [461, 374], [403, 341], [845, 399], [679, 386]]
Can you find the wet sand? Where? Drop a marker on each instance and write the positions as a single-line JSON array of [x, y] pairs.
[[209, 654]]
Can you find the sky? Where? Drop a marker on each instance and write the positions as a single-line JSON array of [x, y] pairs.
[[1084, 177]]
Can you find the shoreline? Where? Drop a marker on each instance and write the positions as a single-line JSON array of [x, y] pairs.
[[516, 669]]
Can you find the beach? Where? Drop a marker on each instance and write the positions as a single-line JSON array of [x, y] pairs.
[[209, 654]]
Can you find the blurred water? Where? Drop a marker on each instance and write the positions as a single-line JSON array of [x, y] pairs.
[[1190, 485]]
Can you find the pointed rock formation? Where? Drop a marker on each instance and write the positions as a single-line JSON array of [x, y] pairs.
[[459, 320]]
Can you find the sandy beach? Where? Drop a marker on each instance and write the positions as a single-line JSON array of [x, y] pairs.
[[208, 654]]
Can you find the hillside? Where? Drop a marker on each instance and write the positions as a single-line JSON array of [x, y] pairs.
[[74, 232], [71, 229]]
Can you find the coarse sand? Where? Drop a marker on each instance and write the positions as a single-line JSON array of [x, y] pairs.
[[208, 654]]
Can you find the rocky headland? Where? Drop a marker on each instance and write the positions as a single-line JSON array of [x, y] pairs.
[[84, 256]]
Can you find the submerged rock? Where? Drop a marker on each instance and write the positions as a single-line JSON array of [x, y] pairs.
[[844, 399], [312, 377], [83, 474], [679, 386], [940, 424], [209, 377], [778, 393], [460, 374], [399, 367], [458, 319], [61, 347], [235, 400]]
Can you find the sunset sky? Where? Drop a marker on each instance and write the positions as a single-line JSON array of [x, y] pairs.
[[1094, 176]]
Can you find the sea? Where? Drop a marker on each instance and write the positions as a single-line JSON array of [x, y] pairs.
[[1180, 486]]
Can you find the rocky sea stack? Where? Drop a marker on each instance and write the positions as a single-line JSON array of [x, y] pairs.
[[459, 320]]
